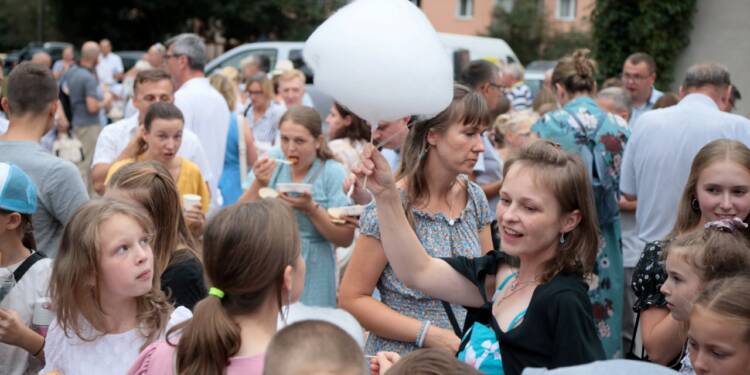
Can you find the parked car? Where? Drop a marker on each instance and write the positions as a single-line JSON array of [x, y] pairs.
[[129, 58], [54, 49], [534, 75], [269, 52]]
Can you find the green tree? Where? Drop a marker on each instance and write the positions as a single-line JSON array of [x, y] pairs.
[[136, 24], [522, 28], [660, 28], [19, 23]]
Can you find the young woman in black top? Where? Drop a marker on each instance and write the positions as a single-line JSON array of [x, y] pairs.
[[151, 186], [536, 315]]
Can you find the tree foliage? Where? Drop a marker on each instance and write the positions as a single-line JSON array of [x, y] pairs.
[[524, 28], [660, 28], [136, 24]]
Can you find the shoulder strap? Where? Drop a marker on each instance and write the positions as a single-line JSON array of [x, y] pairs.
[[599, 122], [314, 177], [452, 318], [27, 263]]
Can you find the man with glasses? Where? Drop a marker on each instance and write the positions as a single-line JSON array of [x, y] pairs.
[[638, 76]]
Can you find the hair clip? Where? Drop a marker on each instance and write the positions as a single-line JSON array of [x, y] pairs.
[[553, 144], [727, 225]]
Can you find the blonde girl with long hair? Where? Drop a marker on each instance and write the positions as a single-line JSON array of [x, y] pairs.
[[150, 186], [105, 292]]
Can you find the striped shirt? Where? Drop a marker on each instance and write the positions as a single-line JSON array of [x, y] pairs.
[[520, 96]]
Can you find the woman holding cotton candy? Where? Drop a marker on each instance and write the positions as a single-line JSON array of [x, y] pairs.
[[305, 158], [718, 187], [451, 217]]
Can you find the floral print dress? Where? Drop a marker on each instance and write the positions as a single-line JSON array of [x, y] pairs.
[[606, 285]]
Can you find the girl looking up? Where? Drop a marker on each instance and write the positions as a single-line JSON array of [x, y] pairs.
[[105, 293], [150, 186]]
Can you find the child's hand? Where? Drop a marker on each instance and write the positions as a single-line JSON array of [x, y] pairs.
[[382, 362], [11, 328]]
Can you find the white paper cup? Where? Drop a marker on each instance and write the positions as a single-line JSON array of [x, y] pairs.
[[190, 200]]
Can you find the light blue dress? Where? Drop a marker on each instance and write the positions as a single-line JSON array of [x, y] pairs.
[[606, 286], [230, 184], [441, 237], [320, 259]]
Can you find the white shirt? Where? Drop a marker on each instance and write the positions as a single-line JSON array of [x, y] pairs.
[[115, 137], [207, 115], [107, 354], [107, 67], [3, 126], [657, 158], [299, 312], [33, 285]]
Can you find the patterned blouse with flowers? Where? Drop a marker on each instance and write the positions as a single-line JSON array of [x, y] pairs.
[[606, 285]]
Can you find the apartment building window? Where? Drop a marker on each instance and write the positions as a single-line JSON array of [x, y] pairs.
[[566, 10], [507, 5], [465, 9]]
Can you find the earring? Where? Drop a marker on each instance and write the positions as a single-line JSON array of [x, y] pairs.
[[562, 239], [424, 151]]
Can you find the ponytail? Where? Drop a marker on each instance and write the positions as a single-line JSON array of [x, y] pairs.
[[28, 239], [208, 340], [261, 239]]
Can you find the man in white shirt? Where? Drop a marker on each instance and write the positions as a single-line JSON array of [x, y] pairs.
[[109, 69], [120, 140], [205, 110], [657, 159]]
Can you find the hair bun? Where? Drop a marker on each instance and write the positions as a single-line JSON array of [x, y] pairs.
[[732, 225]]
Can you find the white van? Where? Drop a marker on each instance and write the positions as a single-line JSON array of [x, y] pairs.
[[480, 47]]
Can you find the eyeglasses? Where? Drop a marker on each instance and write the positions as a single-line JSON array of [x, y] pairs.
[[632, 77], [495, 85], [170, 55], [255, 92]]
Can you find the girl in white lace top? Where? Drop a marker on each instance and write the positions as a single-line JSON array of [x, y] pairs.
[[107, 299]]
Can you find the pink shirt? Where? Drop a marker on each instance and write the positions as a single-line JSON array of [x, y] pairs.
[[158, 359]]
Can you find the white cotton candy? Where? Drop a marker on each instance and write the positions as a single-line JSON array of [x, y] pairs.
[[382, 59]]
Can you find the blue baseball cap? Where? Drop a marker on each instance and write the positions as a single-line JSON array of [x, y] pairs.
[[17, 191]]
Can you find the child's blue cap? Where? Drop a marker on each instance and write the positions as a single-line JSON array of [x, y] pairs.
[[17, 192]]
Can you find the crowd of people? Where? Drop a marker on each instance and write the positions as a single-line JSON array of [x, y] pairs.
[[158, 221]]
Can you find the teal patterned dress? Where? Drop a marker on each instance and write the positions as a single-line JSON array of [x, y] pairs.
[[606, 287]]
